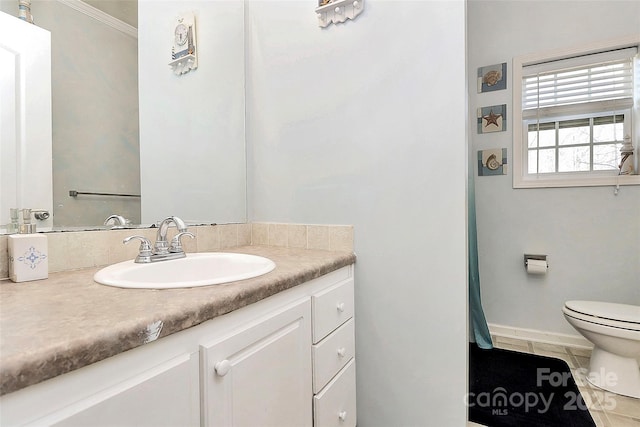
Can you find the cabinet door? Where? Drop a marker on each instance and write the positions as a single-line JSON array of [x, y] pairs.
[[260, 374], [165, 395]]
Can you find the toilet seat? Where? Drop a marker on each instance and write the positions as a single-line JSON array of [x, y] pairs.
[[613, 315]]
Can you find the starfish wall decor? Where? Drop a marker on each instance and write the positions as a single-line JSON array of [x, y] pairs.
[[492, 119]]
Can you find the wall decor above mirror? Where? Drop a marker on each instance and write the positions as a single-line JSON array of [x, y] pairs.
[[337, 11]]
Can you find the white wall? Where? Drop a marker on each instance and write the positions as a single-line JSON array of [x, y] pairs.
[[591, 236], [364, 123], [192, 141]]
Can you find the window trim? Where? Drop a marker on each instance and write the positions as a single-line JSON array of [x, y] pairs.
[[521, 178]]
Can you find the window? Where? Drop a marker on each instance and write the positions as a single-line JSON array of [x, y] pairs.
[[571, 116], [575, 145]]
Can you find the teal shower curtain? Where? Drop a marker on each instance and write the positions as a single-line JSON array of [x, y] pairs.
[[480, 330]]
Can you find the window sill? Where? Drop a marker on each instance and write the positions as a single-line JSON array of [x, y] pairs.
[[549, 181]]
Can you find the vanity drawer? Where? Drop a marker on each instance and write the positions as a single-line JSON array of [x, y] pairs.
[[335, 405], [332, 353], [331, 308]]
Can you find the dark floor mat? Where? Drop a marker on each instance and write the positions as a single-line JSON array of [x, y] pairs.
[[510, 388]]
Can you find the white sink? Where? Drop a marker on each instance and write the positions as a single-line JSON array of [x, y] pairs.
[[196, 269]]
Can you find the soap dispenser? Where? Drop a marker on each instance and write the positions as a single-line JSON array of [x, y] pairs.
[[28, 252], [14, 225]]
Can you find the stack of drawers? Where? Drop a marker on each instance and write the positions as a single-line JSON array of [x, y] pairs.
[[334, 369]]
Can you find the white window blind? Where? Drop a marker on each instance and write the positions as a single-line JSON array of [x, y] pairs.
[[605, 77]]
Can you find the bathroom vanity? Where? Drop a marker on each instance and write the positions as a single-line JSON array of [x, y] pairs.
[[274, 350]]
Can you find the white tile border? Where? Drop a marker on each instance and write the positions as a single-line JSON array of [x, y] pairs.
[[539, 336]]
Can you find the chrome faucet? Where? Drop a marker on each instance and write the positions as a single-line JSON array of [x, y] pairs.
[[118, 221], [162, 249], [161, 246]]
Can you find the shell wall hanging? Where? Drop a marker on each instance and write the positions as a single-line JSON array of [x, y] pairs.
[[334, 11], [492, 162]]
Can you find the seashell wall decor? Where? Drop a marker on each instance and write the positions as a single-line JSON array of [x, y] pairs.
[[335, 11]]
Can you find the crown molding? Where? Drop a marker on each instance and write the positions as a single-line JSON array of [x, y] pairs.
[[100, 16]]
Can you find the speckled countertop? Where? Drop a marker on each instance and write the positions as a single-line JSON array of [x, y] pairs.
[[53, 326]]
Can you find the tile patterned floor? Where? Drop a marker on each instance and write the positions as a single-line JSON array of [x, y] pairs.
[[607, 409]]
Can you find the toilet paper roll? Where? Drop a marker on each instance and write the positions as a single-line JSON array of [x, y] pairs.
[[536, 266]]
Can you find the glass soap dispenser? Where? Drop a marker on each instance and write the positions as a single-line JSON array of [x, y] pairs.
[[14, 225]]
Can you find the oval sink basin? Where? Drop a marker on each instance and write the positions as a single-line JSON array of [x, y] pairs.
[[197, 269]]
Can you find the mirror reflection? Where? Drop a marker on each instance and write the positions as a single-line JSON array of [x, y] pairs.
[[94, 103], [193, 133]]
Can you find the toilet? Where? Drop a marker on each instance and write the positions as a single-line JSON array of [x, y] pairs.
[[614, 330]]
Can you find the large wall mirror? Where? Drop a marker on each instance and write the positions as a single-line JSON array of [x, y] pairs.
[[131, 137]]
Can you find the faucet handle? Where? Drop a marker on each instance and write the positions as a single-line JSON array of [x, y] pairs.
[[176, 244], [144, 254]]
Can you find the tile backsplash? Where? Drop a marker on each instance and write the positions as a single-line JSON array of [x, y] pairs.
[[324, 237], [82, 249]]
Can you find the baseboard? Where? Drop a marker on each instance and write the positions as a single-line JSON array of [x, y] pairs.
[[539, 336]]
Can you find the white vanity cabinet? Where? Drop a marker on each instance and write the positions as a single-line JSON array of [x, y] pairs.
[[258, 375], [163, 396], [287, 360], [153, 385], [334, 380]]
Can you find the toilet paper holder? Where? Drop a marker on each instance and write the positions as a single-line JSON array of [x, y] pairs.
[[527, 257]]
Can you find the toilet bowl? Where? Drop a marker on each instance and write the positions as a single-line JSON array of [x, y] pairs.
[[614, 330]]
